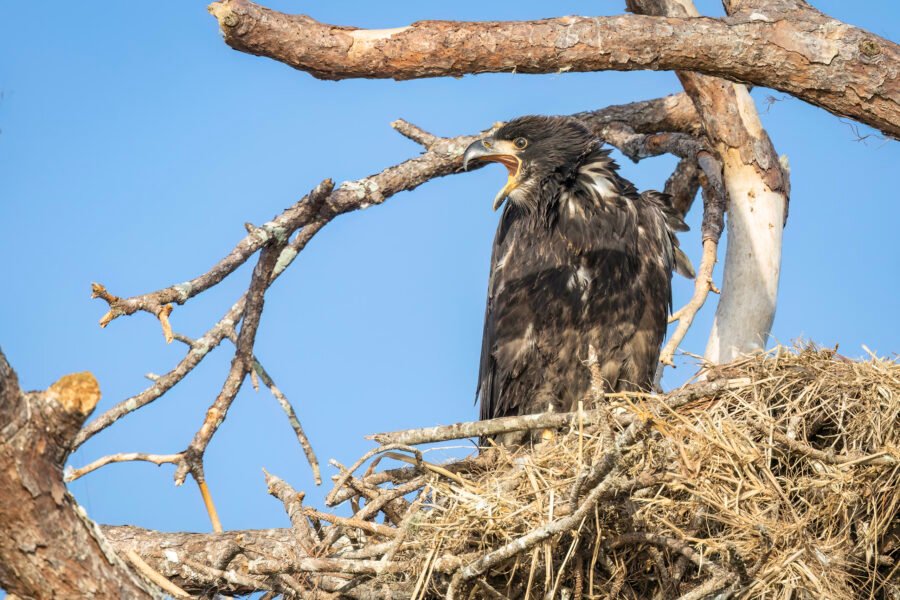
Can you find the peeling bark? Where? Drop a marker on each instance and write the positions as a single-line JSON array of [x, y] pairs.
[[48, 547], [784, 45], [756, 212]]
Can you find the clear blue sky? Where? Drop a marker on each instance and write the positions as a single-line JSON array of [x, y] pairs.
[[134, 144]]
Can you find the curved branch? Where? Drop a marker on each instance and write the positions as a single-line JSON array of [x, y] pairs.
[[703, 284], [164, 383], [798, 50]]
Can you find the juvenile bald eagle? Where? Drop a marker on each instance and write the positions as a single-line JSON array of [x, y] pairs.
[[580, 258]]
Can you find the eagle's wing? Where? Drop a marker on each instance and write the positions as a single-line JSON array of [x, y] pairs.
[[487, 392], [599, 274], [674, 223]]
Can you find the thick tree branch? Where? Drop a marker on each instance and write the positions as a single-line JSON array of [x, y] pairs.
[[165, 553], [48, 548], [797, 50], [675, 112]]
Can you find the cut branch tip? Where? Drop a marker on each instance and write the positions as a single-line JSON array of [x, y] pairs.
[[163, 316], [76, 393], [414, 133]]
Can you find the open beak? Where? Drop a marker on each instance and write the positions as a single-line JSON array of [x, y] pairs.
[[501, 151]]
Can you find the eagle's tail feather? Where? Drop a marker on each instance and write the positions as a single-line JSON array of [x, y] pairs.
[[683, 264]]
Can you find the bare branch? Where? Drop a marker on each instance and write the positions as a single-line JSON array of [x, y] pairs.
[[342, 479], [797, 50], [240, 366], [669, 113], [164, 383], [292, 419], [356, 523], [278, 229], [293, 505], [638, 146], [414, 133], [157, 459], [703, 284], [442, 433]]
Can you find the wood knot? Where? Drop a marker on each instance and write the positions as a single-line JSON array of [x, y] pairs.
[[869, 48], [225, 12], [78, 392]]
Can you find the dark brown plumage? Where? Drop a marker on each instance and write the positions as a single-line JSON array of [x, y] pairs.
[[580, 258]]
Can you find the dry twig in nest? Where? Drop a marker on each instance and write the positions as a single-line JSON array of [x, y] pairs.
[[700, 492]]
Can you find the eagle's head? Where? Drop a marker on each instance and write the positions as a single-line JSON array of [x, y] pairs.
[[535, 150]]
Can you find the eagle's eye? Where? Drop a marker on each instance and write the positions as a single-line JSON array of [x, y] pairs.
[[520, 143]]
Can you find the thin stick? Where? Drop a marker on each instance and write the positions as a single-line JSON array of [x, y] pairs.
[[703, 284], [531, 571], [442, 433], [368, 526], [231, 576], [293, 506], [429, 466], [879, 458], [162, 384], [581, 433], [489, 590], [345, 475], [210, 506], [707, 589], [292, 419], [155, 576], [157, 459], [679, 546]]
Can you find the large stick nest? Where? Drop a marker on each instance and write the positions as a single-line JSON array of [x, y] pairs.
[[777, 478]]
